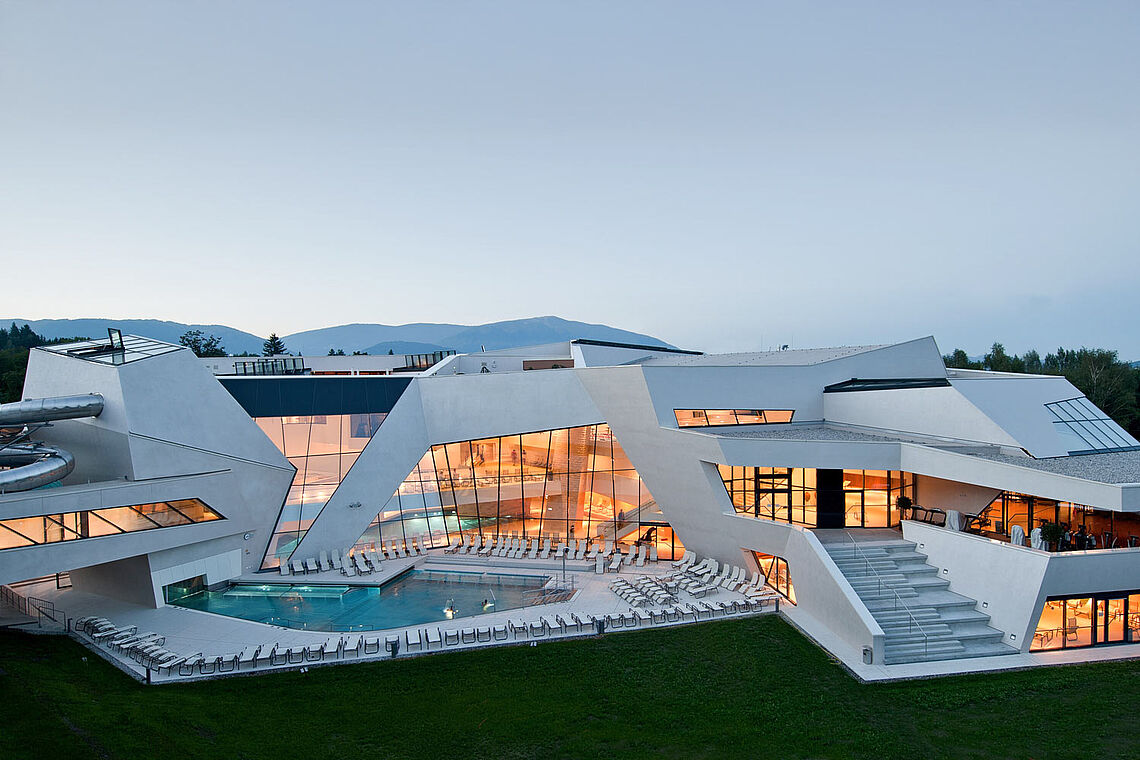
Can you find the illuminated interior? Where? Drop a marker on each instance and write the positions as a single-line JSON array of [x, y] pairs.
[[323, 448], [109, 521], [720, 417], [790, 494], [776, 575], [1073, 622], [1103, 528], [569, 483]]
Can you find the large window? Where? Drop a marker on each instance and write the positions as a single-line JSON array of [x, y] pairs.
[[1072, 622], [792, 494], [776, 575], [1085, 428], [109, 521], [1088, 528], [720, 417], [569, 483], [323, 448]]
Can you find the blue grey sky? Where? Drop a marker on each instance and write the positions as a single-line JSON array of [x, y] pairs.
[[725, 176]]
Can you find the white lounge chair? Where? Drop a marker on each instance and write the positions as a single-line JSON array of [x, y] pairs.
[[374, 559], [311, 566], [325, 564], [599, 564], [399, 550], [453, 547], [298, 568], [347, 568], [488, 547], [545, 554], [615, 563], [641, 552], [336, 562], [534, 542], [629, 555], [358, 561], [476, 545], [284, 567]]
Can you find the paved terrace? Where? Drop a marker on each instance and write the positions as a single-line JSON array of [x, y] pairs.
[[232, 645]]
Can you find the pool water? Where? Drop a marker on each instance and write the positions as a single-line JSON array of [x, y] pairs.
[[414, 598]]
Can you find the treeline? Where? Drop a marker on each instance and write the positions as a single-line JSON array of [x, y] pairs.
[[1108, 382], [15, 342]]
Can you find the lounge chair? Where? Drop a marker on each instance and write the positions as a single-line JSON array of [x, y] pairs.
[[615, 563], [599, 564], [374, 559], [475, 545], [516, 627], [311, 566], [453, 547], [545, 554], [488, 547], [653, 553], [537, 630], [298, 568], [467, 635], [534, 548], [336, 562], [358, 561], [641, 552], [483, 633], [687, 559], [561, 550], [348, 569], [499, 632], [609, 548], [594, 553], [326, 565], [399, 551], [630, 555]]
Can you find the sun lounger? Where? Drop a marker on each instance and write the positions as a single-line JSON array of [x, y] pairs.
[[467, 635], [284, 567], [488, 547], [499, 632], [348, 569], [537, 630], [453, 547], [534, 548], [517, 627], [545, 553], [399, 551], [374, 558], [599, 564], [296, 566], [476, 545], [326, 565], [615, 564], [358, 561], [335, 559], [311, 566], [641, 555], [483, 633], [629, 557]]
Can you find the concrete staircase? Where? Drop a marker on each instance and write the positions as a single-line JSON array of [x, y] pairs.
[[922, 619]]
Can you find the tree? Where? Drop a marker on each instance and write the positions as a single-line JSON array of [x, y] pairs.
[[336, 352], [1032, 361], [201, 344], [391, 352], [997, 360], [1097, 372], [273, 346], [959, 360], [360, 353]]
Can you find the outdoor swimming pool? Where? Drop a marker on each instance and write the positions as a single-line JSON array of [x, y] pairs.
[[416, 597]]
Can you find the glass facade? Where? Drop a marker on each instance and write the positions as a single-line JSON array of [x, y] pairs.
[[109, 521], [1089, 528], [1085, 621], [323, 447], [569, 483], [791, 495], [720, 417], [776, 575]]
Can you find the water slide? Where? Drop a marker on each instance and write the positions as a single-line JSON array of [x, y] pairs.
[[32, 464]]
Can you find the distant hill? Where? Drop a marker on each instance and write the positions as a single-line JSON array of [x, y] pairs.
[[372, 338], [235, 341]]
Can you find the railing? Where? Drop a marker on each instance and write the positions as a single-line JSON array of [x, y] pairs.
[[30, 605], [912, 621]]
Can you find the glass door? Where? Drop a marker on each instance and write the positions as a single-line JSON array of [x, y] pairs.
[[1110, 620]]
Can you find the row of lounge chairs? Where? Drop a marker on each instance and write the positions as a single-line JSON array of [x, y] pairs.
[[708, 576], [647, 591], [360, 562], [514, 546]]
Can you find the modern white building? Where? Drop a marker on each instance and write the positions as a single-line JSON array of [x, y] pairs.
[[895, 505]]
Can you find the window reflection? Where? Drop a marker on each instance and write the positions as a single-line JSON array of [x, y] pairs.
[[721, 417], [109, 521], [323, 448]]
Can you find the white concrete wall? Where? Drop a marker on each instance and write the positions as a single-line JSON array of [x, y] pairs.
[[1011, 583], [217, 568]]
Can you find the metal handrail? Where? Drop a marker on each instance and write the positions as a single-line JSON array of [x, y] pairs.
[[913, 621]]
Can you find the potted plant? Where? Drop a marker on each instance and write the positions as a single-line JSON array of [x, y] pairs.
[[1051, 534], [903, 503]]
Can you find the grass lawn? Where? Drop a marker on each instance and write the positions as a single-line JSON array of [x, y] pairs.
[[735, 688]]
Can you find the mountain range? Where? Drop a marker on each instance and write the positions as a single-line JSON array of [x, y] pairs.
[[421, 337]]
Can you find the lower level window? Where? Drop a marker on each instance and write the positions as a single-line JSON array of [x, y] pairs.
[[1086, 621], [776, 575]]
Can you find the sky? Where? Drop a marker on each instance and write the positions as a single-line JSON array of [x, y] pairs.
[[724, 176]]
